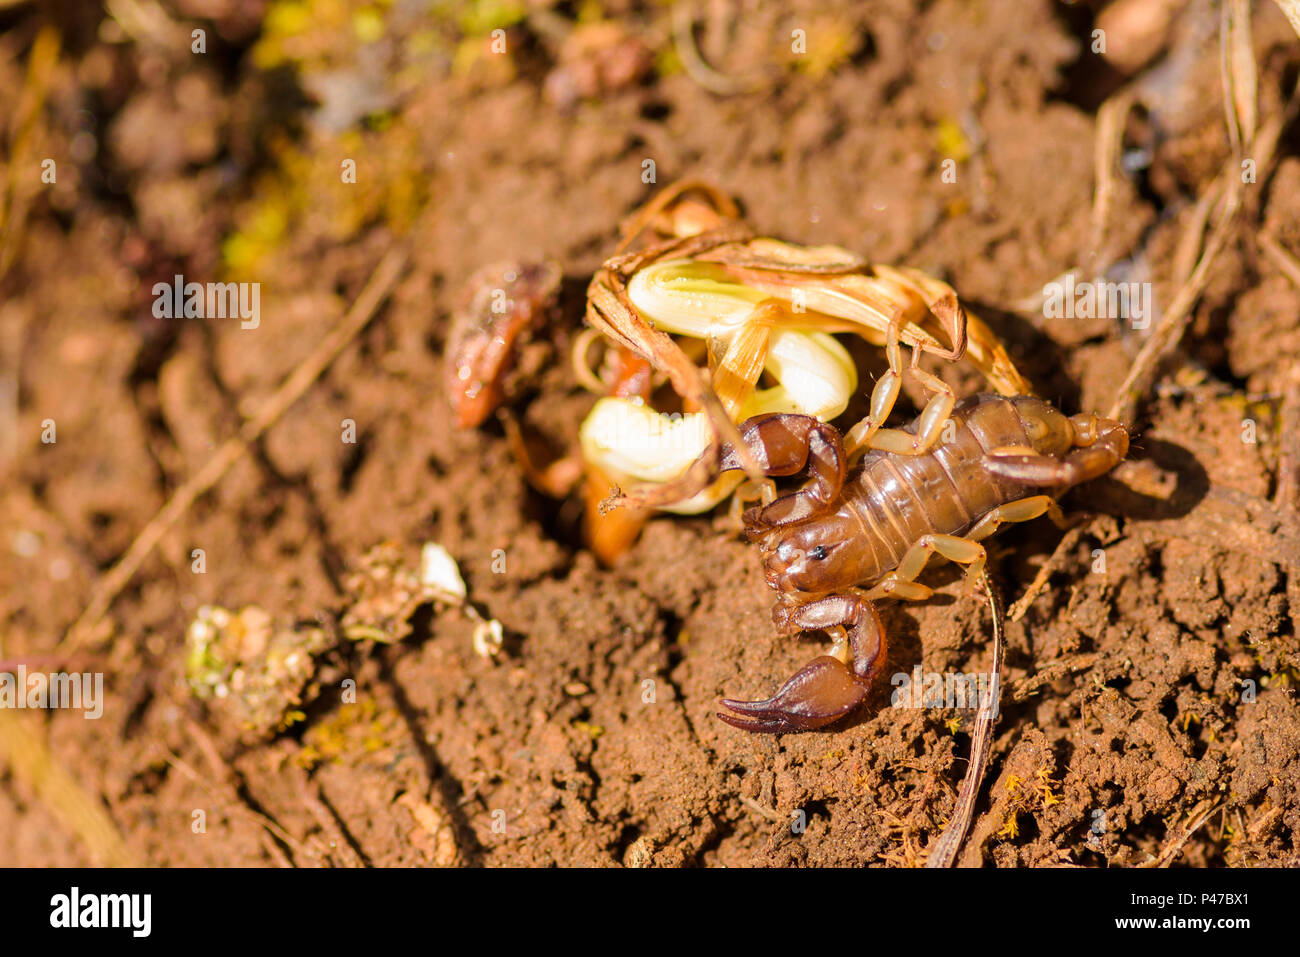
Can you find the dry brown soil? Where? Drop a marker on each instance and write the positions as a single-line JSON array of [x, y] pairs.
[[1125, 713]]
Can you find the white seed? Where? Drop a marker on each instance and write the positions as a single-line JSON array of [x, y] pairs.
[[438, 570], [487, 638]]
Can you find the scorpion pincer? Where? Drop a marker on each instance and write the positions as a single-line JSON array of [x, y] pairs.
[[878, 523]]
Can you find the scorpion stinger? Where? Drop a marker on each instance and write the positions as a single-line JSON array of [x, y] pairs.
[[1098, 446]]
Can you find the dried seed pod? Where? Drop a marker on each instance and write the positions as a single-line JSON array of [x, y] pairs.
[[501, 306]]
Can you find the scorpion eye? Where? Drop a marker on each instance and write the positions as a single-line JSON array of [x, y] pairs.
[[818, 553]]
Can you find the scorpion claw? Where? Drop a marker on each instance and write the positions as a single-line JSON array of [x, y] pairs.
[[822, 691]]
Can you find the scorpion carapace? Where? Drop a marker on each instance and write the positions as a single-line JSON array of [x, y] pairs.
[[877, 524]]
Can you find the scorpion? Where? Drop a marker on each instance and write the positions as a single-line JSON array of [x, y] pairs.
[[1006, 459]]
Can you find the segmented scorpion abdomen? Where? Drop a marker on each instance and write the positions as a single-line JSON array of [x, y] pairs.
[[947, 490]]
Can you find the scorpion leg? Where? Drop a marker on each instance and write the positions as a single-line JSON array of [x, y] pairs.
[[883, 396], [747, 492], [963, 549], [1021, 510], [826, 688], [868, 433], [784, 443], [900, 582]]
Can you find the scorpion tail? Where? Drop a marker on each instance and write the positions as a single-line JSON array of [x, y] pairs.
[[821, 692], [1100, 445]]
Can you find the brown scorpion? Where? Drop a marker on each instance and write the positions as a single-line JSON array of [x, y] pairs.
[[882, 520]]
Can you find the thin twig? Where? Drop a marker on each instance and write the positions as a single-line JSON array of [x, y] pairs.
[[1110, 136], [1287, 497], [1240, 74], [313, 800], [1027, 685], [79, 811], [1173, 323], [981, 745], [1063, 548], [239, 807], [16, 193], [759, 809], [292, 389], [1281, 257], [1169, 853], [683, 18]]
